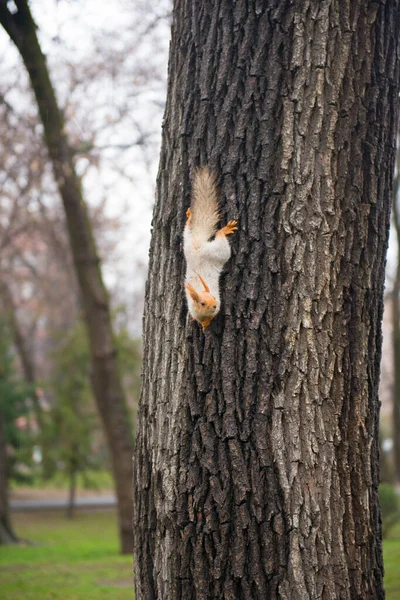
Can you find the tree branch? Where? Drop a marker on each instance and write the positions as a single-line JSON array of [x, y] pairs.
[[7, 20]]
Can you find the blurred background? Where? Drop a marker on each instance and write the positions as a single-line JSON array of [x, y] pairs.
[[58, 526]]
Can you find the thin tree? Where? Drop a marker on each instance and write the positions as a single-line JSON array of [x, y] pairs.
[[27, 364], [15, 445], [7, 534], [18, 23], [256, 466]]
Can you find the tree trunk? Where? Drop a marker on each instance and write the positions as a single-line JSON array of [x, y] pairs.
[[105, 377], [396, 324], [21, 346], [70, 512], [256, 465], [7, 535]]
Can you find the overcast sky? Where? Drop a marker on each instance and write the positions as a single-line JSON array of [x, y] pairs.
[[69, 32]]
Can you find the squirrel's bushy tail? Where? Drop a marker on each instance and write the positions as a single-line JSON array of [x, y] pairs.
[[205, 205]]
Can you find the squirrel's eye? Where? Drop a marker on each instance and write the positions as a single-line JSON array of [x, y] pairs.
[[203, 303]]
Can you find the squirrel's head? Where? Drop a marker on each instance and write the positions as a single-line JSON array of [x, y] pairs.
[[204, 307]]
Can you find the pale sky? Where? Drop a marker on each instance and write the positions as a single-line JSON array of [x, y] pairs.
[[69, 33]]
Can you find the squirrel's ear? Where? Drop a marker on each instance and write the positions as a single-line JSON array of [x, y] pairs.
[[206, 288], [192, 292]]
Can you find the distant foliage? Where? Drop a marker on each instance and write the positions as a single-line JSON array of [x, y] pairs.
[[390, 505], [73, 430], [72, 423], [130, 363]]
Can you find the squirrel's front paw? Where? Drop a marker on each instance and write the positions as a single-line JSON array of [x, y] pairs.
[[189, 217]]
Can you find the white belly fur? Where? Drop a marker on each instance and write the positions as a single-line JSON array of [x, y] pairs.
[[206, 259]]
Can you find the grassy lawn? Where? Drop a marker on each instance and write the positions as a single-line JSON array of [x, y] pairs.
[[391, 557], [74, 560], [78, 560]]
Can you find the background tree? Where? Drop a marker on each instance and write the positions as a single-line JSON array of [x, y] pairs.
[[71, 423], [105, 378], [15, 434], [72, 430], [256, 468], [106, 80]]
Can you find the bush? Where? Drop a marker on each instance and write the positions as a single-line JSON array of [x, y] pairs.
[[390, 504]]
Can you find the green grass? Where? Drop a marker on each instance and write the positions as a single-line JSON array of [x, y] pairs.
[[79, 560], [73, 560], [391, 558]]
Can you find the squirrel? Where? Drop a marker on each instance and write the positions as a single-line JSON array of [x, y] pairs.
[[205, 257]]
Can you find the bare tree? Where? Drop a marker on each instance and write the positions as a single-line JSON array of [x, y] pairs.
[[105, 86], [256, 466]]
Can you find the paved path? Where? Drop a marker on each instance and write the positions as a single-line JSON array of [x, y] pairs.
[[61, 503]]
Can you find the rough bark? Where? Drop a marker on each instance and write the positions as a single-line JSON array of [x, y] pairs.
[[105, 377], [256, 466], [396, 322]]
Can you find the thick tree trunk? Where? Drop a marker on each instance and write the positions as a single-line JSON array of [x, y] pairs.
[[106, 382], [256, 467]]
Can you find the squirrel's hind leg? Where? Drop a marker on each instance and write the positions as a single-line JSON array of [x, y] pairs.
[[229, 229]]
